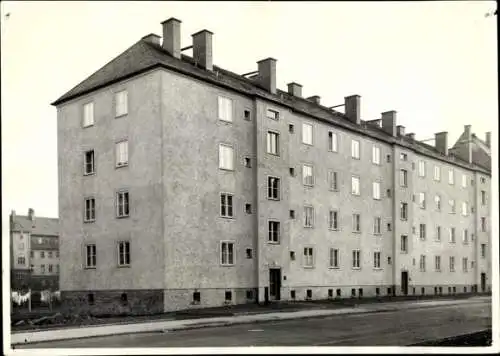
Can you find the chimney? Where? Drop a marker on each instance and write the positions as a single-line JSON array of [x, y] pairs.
[[172, 37], [152, 38], [441, 142], [352, 108], [411, 136], [12, 216], [389, 122], [295, 89], [468, 142], [202, 49], [31, 215], [267, 74], [400, 130], [315, 99], [488, 138]]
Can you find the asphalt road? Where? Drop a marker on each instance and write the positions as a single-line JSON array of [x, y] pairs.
[[390, 328]]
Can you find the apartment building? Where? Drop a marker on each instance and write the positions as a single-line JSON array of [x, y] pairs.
[[184, 185], [34, 252]]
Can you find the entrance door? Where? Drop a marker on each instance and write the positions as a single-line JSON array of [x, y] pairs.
[[274, 283], [404, 282], [483, 282]]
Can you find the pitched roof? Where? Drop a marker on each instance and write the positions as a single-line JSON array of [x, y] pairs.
[[41, 226], [144, 56]]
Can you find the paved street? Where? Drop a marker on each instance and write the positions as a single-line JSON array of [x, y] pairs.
[[390, 328]]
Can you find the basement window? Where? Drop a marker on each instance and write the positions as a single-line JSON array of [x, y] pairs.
[[330, 293], [377, 291], [360, 292], [249, 294], [90, 298], [228, 296], [339, 292], [353, 292], [309, 294], [292, 294], [196, 298]]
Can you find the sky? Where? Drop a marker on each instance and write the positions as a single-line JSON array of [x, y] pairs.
[[435, 63]]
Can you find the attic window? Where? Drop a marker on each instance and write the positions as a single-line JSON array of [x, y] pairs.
[[272, 114]]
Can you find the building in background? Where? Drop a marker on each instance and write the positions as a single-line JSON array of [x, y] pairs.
[[184, 185], [34, 252]]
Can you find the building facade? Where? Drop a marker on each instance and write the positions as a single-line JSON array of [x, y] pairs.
[[183, 185], [34, 252]]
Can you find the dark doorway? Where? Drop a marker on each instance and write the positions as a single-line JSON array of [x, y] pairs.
[[274, 283], [483, 282], [404, 282]]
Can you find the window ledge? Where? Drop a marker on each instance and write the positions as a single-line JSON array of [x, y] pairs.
[[356, 268], [274, 199], [273, 154], [336, 268], [333, 229], [89, 221], [226, 169], [273, 242], [308, 227], [226, 265], [378, 269], [121, 165], [226, 121], [309, 267], [89, 268], [120, 115], [227, 217], [89, 174], [123, 217], [356, 232], [85, 127], [124, 266]]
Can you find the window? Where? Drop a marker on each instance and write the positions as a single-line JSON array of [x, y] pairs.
[[249, 294], [451, 176], [292, 214], [333, 222], [404, 211], [483, 224], [377, 225], [121, 103], [226, 109], [90, 298], [389, 260], [376, 190], [483, 180], [437, 201], [226, 205], [226, 157], [437, 173], [334, 258], [465, 236], [307, 134], [465, 264], [273, 143], [248, 208], [122, 204], [291, 128], [422, 263], [403, 156], [355, 149], [50, 268], [389, 227], [356, 222], [32, 254], [438, 233], [376, 260], [355, 259], [57, 269], [272, 114], [123, 253], [122, 153], [21, 260], [42, 254], [483, 197], [274, 231], [388, 158], [376, 155], [421, 200], [422, 231], [465, 208], [464, 181], [308, 257], [307, 175], [249, 253], [50, 254], [452, 206], [246, 115], [248, 162], [483, 250], [332, 141], [355, 185], [292, 171], [196, 297], [389, 193], [404, 243], [228, 296], [57, 254], [437, 263], [452, 235], [89, 214], [227, 253], [42, 268], [88, 114], [89, 164], [403, 178], [308, 216], [273, 188], [421, 168], [332, 180]]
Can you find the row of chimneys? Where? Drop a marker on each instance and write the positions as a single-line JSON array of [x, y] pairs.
[[265, 77], [31, 214]]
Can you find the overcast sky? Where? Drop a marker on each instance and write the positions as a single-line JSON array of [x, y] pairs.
[[433, 62]]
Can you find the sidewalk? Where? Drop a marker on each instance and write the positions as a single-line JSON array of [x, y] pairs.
[[173, 325]]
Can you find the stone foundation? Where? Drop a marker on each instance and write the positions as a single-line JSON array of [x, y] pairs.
[[129, 302]]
